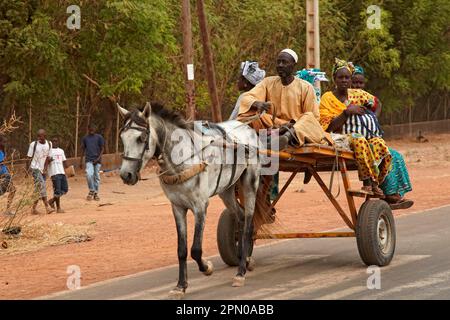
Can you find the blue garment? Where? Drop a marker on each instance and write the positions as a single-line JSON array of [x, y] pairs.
[[3, 168], [397, 181], [274, 186], [93, 176], [60, 185], [93, 145]]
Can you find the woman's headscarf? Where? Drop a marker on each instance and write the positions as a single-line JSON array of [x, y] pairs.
[[341, 64], [359, 70]]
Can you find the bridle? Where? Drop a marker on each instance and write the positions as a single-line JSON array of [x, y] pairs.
[[145, 130]]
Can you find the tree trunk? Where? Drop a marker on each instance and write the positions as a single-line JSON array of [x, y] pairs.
[[108, 110]]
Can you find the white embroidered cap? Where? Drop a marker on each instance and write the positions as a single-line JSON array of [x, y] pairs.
[[292, 54]]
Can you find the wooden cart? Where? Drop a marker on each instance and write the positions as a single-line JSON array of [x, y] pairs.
[[373, 224]]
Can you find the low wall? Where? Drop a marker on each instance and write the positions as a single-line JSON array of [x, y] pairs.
[[412, 130], [109, 162]]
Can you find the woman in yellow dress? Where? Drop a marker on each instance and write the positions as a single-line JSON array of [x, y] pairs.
[[348, 111]]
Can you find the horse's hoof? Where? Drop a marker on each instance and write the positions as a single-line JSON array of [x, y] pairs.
[[251, 264], [209, 268], [177, 294], [238, 281]]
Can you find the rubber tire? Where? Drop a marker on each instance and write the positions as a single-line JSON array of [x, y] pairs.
[[366, 233], [226, 239]]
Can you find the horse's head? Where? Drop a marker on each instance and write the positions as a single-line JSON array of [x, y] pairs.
[[139, 141]]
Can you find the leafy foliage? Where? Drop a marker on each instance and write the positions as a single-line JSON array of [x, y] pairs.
[[132, 50]]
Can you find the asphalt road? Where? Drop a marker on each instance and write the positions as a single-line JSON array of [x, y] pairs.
[[309, 269]]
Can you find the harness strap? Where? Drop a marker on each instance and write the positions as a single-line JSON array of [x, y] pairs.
[[184, 175], [218, 179], [234, 167], [145, 129]]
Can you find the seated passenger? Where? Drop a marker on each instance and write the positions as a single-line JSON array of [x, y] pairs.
[[397, 182], [250, 75], [289, 102], [347, 111]]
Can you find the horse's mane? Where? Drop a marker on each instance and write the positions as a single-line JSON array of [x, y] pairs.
[[172, 116]]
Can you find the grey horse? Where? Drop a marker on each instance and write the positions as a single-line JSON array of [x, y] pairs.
[[195, 162]]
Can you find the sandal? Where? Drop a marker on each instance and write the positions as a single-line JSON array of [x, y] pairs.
[[393, 199], [402, 204]]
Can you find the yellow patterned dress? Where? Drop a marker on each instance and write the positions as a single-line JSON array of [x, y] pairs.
[[371, 152]]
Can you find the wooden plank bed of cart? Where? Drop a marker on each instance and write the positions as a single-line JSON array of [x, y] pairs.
[[372, 224]]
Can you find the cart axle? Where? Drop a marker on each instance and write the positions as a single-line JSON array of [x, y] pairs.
[[307, 235]]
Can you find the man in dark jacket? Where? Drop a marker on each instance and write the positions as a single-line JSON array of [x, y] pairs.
[[92, 146]]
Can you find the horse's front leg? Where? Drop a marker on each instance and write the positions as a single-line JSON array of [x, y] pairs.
[[179, 214], [196, 251]]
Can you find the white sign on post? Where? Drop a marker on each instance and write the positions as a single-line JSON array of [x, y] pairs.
[[190, 72]]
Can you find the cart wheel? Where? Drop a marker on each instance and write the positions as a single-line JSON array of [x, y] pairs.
[[375, 233], [227, 238]]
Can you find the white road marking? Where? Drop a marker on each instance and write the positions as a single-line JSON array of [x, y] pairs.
[[434, 279]]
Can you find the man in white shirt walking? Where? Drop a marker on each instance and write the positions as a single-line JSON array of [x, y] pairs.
[[58, 175], [39, 154]]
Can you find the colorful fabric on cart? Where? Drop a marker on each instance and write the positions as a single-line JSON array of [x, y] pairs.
[[311, 76], [397, 181]]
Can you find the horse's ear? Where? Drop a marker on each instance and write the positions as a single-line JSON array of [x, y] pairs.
[[147, 110], [124, 112]]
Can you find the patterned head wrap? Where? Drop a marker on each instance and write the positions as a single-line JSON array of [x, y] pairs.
[[250, 70], [341, 64], [359, 70]]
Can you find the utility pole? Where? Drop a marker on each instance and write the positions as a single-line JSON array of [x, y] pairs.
[[210, 72], [77, 119], [188, 59], [312, 34]]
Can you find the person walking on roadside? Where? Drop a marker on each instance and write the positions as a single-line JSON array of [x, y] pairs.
[[92, 146], [39, 153]]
